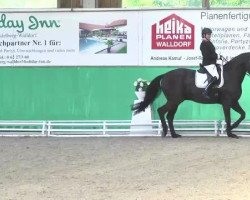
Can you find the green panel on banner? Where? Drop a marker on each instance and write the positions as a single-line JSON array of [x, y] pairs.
[[89, 93]]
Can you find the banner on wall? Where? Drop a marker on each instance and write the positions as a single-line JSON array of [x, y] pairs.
[[119, 38], [69, 39], [176, 35]]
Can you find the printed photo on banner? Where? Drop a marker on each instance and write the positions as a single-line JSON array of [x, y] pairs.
[[103, 38]]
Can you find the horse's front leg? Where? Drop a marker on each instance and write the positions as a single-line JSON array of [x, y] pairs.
[[237, 108], [227, 113]]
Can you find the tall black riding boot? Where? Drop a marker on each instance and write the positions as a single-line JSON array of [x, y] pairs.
[[209, 85]]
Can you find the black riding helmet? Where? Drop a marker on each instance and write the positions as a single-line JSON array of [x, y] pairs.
[[206, 31]]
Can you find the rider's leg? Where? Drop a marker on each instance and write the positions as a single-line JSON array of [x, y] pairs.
[[214, 77], [209, 86]]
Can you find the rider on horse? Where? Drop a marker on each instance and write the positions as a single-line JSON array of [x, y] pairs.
[[209, 59]]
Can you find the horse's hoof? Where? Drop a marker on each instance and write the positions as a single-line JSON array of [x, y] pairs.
[[163, 134], [233, 136], [175, 135]]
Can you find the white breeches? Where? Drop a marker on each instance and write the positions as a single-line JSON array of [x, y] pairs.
[[212, 70]]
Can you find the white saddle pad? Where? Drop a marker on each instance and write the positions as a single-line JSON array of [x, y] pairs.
[[201, 80]]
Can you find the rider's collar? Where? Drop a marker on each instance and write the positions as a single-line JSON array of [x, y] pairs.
[[205, 39]]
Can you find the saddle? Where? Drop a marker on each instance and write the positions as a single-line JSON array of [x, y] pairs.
[[202, 77]]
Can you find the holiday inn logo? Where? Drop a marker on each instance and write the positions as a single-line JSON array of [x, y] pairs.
[[33, 24], [173, 32]]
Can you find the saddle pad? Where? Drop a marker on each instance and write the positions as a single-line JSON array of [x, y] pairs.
[[200, 80]]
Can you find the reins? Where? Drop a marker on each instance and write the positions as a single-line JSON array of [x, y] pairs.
[[224, 59], [224, 62]]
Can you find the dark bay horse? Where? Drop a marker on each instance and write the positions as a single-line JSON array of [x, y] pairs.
[[179, 85]]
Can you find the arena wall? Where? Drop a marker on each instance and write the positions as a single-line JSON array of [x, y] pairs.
[[45, 75], [87, 93]]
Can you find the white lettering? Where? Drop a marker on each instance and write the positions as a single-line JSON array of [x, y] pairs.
[[173, 26], [173, 44], [174, 37]]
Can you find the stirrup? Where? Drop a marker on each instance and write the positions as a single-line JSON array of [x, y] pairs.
[[205, 94]]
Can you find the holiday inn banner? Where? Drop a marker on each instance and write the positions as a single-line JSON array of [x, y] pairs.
[[69, 39], [119, 38]]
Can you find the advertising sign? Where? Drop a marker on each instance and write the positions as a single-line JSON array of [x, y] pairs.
[[69, 39], [120, 38], [176, 35], [173, 32]]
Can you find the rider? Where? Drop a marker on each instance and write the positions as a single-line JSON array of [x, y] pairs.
[[209, 59]]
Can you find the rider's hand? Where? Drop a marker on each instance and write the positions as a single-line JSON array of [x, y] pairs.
[[220, 57], [219, 62]]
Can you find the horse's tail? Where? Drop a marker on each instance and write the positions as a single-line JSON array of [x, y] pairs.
[[151, 93]]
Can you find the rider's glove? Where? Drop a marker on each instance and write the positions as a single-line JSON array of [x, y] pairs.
[[220, 57], [219, 62]]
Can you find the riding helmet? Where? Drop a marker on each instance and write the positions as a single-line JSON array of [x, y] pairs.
[[206, 31]]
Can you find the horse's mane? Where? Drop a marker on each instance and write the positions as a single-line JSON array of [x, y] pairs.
[[238, 59]]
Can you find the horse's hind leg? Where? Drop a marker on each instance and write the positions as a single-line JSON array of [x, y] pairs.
[[170, 117], [162, 111], [171, 108]]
